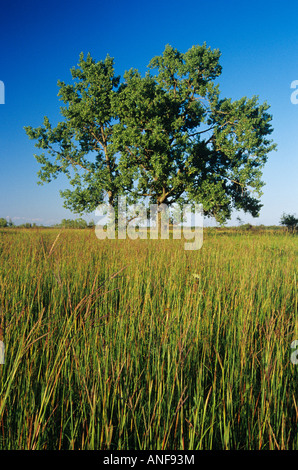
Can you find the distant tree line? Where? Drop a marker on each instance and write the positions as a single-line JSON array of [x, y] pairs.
[[4, 223], [65, 223], [289, 221], [76, 223]]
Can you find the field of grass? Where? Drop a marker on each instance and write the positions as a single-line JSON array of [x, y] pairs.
[[143, 345]]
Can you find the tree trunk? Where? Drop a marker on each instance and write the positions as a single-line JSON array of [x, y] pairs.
[[160, 201]]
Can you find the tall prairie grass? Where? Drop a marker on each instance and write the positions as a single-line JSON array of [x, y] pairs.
[[122, 344]]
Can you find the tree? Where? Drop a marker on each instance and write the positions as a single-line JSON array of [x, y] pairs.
[[290, 221], [3, 222], [187, 144], [167, 137]]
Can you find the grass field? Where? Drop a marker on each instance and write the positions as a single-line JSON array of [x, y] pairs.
[[143, 345]]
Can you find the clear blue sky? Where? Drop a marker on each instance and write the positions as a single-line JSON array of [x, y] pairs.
[[41, 41]]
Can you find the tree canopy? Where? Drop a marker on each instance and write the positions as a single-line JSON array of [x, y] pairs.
[[168, 136]]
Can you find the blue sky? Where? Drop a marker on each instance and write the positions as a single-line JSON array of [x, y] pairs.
[[41, 41]]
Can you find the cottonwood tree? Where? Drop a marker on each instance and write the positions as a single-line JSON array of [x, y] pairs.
[[167, 136], [187, 144]]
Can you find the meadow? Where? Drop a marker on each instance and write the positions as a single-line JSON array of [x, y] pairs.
[[139, 344]]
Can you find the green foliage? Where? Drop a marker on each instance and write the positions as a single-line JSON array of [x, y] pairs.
[[77, 223], [6, 223], [167, 136], [27, 225], [3, 222], [187, 143]]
